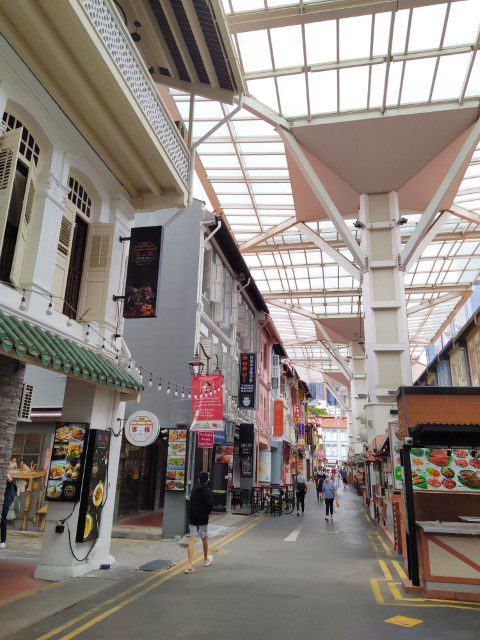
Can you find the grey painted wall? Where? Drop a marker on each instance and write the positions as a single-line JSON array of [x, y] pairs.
[[48, 386]]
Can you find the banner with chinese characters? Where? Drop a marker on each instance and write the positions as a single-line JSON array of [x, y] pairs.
[[301, 435], [297, 413], [247, 381], [278, 418], [207, 403], [142, 273]]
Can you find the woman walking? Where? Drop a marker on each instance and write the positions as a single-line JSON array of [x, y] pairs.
[[8, 498], [328, 492]]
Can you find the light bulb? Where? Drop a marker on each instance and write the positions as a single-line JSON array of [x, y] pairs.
[[141, 378], [168, 391], [176, 394], [87, 338], [23, 305], [183, 394], [159, 386], [190, 395], [150, 383], [49, 308], [69, 322]]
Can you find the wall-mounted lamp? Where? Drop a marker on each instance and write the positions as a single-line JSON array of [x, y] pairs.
[[196, 366]]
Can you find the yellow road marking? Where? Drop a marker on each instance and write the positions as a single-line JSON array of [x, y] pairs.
[[393, 586], [376, 591], [367, 518], [399, 569], [386, 571], [22, 596], [374, 544], [384, 545], [166, 573], [403, 621]]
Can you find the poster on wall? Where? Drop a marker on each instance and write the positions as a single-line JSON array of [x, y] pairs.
[[448, 470], [142, 273], [224, 454], [65, 473], [264, 466], [176, 459], [207, 403], [95, 486], [247, 381], [395, 448]]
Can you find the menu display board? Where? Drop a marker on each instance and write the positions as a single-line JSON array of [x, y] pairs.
[[94, 490], [395, 448], [64, 478], [142, 272], [224, 454], [176, 459], [435, 469]]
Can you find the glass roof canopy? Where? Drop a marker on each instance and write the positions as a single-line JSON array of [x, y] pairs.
[[246, 167], [364, 62]]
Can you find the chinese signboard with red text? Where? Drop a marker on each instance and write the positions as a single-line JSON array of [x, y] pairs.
[[207, 403], [247, 381]]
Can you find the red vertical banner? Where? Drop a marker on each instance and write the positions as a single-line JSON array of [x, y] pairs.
[[278, 418], [207, 403], [297, 413]]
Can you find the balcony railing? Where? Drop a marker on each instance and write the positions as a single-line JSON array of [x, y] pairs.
[[126, 59]]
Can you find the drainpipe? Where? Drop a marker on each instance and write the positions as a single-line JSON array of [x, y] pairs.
[[193, 147]]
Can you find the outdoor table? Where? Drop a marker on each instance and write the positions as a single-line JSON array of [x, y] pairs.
[[30, 477]]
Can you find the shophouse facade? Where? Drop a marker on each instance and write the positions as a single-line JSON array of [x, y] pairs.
[[334, 434], [72, 176]]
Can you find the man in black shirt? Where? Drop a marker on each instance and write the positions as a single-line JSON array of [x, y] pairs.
[[201, 506]]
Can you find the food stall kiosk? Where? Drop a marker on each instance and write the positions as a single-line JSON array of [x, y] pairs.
[[440, 428]]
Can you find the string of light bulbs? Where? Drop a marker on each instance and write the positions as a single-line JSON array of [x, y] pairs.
[[179, 390]]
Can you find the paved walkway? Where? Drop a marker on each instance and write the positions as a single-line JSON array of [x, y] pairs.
[[273, 579]]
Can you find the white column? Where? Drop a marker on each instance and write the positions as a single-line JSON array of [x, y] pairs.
[[357, 390], [100, 407], [386, 328]]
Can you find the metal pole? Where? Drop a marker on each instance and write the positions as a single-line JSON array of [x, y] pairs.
[[413, 572]]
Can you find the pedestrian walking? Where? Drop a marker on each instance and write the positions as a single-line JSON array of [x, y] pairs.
[[343, 473], [301, 490], [201, 506], [8, 498], [320, 481], [329, 495]]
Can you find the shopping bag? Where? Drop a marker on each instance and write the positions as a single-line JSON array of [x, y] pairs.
[[337, 503]]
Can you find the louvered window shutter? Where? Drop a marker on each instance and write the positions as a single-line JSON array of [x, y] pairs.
[[24, 226], [9, 148], [216, 287], [94, 293], [207, 273], [62, 260]]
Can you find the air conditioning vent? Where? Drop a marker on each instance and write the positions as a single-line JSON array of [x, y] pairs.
[[25, 408]]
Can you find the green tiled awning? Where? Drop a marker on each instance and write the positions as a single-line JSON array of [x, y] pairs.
[[60, 354]]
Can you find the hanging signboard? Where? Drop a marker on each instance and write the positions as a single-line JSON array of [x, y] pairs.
[[247, 381], [176, 459], [297, 413], [246, 450], [142, 428], [395, 448], [207, 403], [220, 437], [278, 418], [301, 435], [142, 273], [94, 490], [64, 479], [205, 439]]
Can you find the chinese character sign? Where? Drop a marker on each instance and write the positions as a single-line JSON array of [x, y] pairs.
[[301, 435], [207, 403], [142, 428], [297, 413], [278, 418], [247, 381]]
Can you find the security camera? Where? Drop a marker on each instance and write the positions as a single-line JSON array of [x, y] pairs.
[[408, 442]]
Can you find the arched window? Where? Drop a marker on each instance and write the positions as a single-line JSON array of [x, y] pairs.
[[79, 197], [19, 154]]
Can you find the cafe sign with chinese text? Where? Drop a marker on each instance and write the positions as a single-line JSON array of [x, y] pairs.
[[142, 428], [247, 381]]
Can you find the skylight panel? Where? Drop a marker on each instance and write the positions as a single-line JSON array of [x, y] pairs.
[[219, 162], [394, 77], [400, 31], [246, 5], [355, 34], [230, 187], [255, 51], [377, 85], [323, 91], [287, 46], [293, 95], [463, 23], [450, 75], [381, 33], [264, 161], [353, 88], [417, 81], [253, 129], [473, 88], [264, 91], [321, 41], [427, 26], [272, 187]]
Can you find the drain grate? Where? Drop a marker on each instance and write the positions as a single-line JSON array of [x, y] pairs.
[[157, 565]]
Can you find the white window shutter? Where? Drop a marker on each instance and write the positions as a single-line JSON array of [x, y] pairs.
[[218, 311], [216, 286], [24, 226], [62, 261], [207, 273], [9, 148], [93, 296], [234, 311]]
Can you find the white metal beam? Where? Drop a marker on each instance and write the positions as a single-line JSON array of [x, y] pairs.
[[334, 350], [340, 293], [273, 231], [264, 112], [465, 214], [430, 234], [338, 397], [428, 216], [324, 246], [322, 195], [429, 304]]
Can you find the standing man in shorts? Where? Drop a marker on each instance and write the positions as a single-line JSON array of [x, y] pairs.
[[201, 506]]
